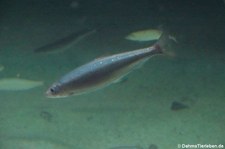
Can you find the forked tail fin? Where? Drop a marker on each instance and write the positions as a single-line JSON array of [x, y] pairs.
[[164, 43]]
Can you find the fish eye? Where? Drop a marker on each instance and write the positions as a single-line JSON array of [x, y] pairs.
[[52, 90]]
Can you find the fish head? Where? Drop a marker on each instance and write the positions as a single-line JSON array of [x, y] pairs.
[[131, 36], [56, 91]]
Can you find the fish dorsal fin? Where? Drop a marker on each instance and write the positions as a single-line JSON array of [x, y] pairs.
[[103, 56]]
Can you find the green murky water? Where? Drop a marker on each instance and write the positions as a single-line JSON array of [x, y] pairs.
[[136, 111]]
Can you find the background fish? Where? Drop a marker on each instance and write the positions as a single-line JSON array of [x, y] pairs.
[[144, 35], [15, 84], [66, 42], [101, 72], [1, 67]]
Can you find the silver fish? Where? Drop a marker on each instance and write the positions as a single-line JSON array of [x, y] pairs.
[[65, 42], [101, 72]]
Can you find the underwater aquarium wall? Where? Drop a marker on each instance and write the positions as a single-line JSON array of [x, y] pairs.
[[112, 74]]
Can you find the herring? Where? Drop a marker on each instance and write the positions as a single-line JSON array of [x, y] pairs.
[[102, 72], [2, 67], [66, 42], [144, 35], [18, 84]]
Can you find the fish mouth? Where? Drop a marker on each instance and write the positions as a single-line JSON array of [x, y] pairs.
[[49, 94]]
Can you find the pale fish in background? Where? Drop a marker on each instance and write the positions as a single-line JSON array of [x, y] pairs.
[[144, 35], [16, 84], [1, 67], [66, 42], [102, 72]]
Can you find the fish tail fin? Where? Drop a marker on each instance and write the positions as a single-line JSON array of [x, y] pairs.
[[164, 43]]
